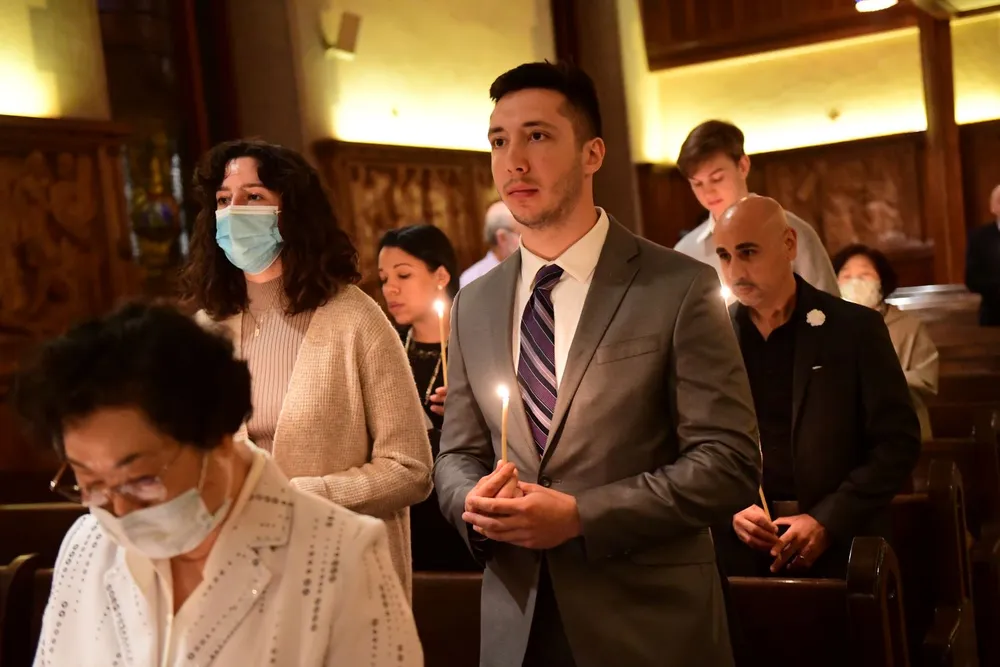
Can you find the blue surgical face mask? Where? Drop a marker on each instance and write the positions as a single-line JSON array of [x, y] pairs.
[[249, 236]]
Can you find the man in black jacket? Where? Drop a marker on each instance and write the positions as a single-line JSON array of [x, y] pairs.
[[839, 435], [982, 265]]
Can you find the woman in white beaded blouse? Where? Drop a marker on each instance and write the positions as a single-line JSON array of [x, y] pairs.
[[196, 550], [333, 399]]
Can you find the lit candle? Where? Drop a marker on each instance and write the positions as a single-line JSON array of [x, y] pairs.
[[439, 307], [505, 398], [726, 293]]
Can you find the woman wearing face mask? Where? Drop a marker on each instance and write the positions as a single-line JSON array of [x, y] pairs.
[[866, 278], [333, 400], [417, 268], [196, 549]]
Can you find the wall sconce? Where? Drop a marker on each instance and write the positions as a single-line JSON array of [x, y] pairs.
[[347, 37], [873, 5]]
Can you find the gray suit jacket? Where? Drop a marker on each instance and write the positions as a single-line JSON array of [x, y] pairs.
[[654, 433]]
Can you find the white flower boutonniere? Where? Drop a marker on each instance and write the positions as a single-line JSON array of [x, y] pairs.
[[816, 317]]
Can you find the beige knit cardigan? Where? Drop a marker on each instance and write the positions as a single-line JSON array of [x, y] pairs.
[[351, 428]]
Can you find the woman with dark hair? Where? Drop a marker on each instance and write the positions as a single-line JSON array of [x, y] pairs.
[[196, 549], [866, 277], [417, 268], [333, 401]]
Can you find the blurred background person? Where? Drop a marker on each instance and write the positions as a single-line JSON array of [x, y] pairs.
[[501, 237], [716, 165], [866, 277], [333, 398], [982, 264], [416, 268]]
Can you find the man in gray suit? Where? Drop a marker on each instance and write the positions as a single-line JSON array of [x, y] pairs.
[[631, 424]]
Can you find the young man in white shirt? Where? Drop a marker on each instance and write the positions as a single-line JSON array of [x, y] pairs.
[[713, 160]]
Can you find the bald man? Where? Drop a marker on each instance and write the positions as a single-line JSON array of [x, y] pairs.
[[982, 264], [838, 432], [502, 239]]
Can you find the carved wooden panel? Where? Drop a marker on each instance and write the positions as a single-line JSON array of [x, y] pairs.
[[682, 32], [865, 191], [377, 188], [64, 237]]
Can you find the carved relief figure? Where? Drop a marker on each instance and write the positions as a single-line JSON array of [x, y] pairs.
[[48, 280]]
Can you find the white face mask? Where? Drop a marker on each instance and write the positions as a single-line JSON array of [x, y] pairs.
[[166, 530], [862, 291]]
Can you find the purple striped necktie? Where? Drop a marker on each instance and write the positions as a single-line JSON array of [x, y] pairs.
[[536, 366]]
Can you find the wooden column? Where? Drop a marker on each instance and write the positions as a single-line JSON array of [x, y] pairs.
[[943, 204], [587, 34]]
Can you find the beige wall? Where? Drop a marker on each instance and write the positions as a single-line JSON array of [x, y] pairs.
[[51, 60], [422, 70]]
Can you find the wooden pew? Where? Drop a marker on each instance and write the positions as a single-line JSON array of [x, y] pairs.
[[929, 538], [446, 610], [979, 463], [965, 420], [827, 622], [17, 590], [37, 528]]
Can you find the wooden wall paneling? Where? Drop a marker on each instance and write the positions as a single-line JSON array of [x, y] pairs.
[[943, 201], [669, 208], [980, 144], [683, 32], [65, 249], [376, 188]]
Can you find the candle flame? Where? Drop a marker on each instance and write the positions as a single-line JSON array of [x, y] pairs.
[[502, 392], [726, 292], [439, 307]]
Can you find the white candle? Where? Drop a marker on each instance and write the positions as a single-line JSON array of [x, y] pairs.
[[439, 308], [505, 398]]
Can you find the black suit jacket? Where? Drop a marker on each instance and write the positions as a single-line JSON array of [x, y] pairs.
[[855, 434], [982, 271]]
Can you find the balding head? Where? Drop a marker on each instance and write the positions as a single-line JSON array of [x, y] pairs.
[[995, 202], [756, 248], [500, 230]]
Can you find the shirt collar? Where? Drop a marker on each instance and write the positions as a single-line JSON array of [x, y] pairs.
[[709, 229], [578, 261]]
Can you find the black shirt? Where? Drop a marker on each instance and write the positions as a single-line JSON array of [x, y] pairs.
[[770, 364], [982, 271]]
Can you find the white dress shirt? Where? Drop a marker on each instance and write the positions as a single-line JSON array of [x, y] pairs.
[[568, 296], [479, 269]]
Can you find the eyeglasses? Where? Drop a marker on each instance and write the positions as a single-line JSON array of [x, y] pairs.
[[147, 489]]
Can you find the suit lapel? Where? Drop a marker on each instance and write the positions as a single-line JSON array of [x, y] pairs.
[[808, 340], [501, 331], [612, 277]]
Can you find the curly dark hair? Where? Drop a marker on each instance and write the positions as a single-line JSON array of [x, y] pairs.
[[428, 244], [183, 378], [317, 256], [886, 274]]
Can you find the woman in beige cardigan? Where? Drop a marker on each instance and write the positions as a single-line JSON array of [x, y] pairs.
[[333, 399], [866, 278]]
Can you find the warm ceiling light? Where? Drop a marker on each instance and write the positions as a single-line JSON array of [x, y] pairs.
[[873, 5]]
